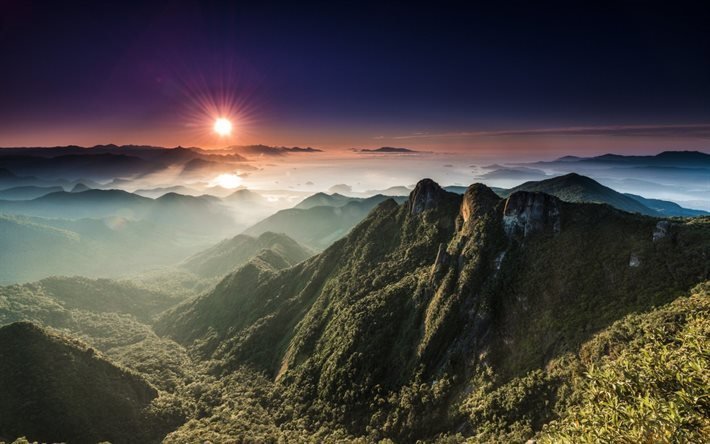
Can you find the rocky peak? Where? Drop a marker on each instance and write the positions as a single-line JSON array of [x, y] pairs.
[[477, 201], [530, 212], [426, 195]]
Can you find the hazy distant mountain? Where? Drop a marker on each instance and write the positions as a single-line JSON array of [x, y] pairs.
[[108, 162], [245, 196], [392, 191], [155, 193], [577, 188], [229, 254], [27, 192], [54, 388], [79, 187], [317, 227], [323, 199], [683, 159], [663, 207], [517, 173], [466, 313], [194, 214], [33, 248]]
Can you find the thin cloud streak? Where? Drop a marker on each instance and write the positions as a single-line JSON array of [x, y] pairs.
[[700, 131]]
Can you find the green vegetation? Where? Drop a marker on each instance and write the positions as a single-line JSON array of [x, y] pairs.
[[318, 226], [229, 254], [447, 319], [55, 388], [576, 188]]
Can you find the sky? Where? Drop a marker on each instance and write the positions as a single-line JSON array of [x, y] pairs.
[[516, 80]]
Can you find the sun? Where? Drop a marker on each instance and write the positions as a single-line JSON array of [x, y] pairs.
[[228, 180], [223, 127]]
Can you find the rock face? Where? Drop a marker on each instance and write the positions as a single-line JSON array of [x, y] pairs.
[[478, 200], [661, 230], [530, 212], [426, 195]]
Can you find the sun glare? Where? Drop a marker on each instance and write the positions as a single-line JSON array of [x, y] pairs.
[[223, 127], [228, 180]]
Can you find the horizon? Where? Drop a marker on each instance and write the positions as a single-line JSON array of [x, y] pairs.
[[485, 81], [231, 221]]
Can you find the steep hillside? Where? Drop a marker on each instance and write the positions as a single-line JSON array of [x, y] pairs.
[[388, 327], [55, 389], [319, 226], [232, 253]]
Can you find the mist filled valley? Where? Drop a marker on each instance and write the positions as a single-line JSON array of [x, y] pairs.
[[155, 301], [238, 222]]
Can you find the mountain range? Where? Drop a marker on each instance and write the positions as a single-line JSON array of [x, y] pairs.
[[421, 303], [443, 317]]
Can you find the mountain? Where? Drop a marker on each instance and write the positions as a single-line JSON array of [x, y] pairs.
[[229, 254], [666, 208], [79, 187], [323, 199], [194, 214], [516, 173], [405, 328], [28, 192], [155, 193], [245, 196], [91, 203], [681, 159], [109, 162], [576, 188], [55, 389], [34, 248], [317, 227]]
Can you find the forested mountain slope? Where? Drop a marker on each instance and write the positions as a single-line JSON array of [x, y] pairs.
[[442, 291], [55, 388]]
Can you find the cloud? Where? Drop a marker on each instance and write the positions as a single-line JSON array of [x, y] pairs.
[[700, 130], [340, 188], [386, 150]]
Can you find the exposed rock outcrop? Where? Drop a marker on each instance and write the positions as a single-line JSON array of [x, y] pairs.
[[477, 201], [426, 195], [530, 212], [662, 229]]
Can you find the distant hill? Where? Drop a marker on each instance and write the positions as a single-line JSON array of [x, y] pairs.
[[154, 193], [328, 200], [244, 196], [201, 214], [317, 227], [683, 159], [28, 192], [34, 248], [229, 254], [55, 389], [577, 188], [79, 187], [666, 208]]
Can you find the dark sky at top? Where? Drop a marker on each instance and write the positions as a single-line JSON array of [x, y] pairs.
[[338, 74]]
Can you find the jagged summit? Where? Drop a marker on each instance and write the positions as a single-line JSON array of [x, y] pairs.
[[478, 200], [426, 195]]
